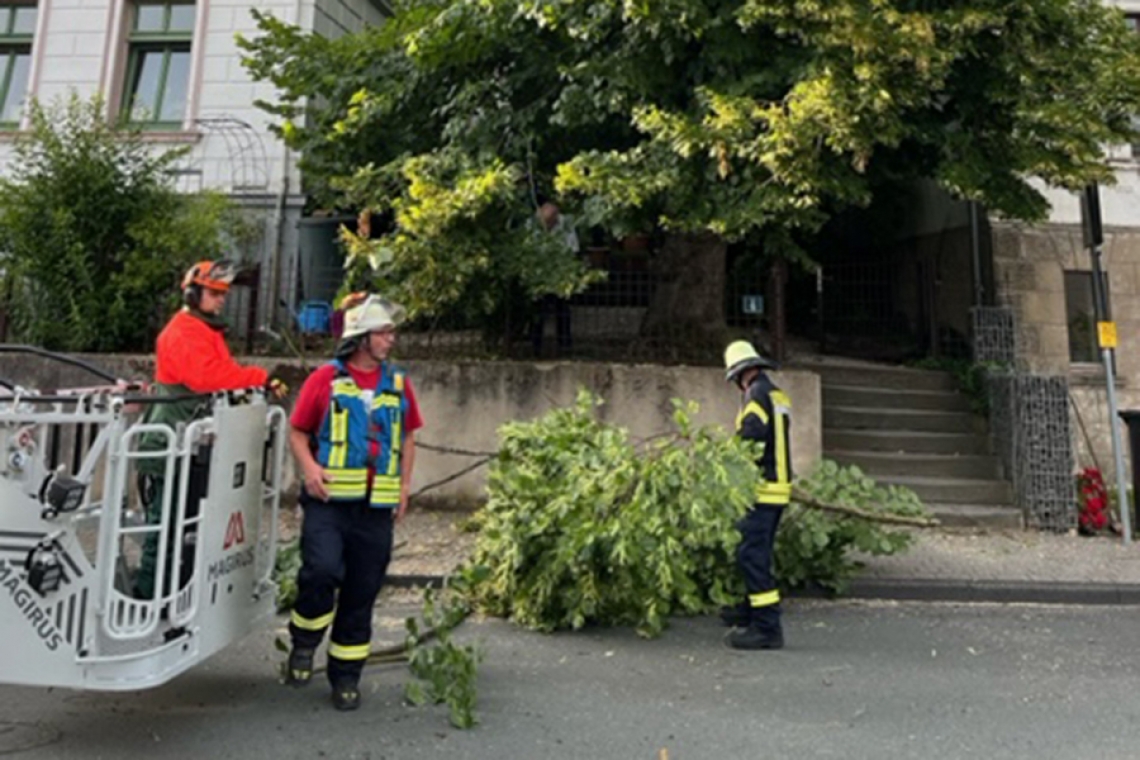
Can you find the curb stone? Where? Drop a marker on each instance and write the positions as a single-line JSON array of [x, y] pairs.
[[1002, 592]]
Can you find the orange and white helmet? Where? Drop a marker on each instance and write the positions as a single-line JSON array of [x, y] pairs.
[[215, 275]]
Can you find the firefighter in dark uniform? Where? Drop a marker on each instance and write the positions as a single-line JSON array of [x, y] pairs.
[[765, 417], [352, 433]]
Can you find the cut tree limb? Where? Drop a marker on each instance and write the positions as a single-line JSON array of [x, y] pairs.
[[916, 522]]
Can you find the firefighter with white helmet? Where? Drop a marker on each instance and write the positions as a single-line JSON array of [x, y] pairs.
[[352, 432], [765, 418]]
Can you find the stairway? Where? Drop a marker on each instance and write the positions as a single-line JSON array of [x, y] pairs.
[[913, 428]]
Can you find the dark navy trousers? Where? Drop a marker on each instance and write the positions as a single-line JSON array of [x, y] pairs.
[[754, 556], [345, 550]]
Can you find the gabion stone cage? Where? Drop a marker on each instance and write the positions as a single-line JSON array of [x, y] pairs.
[[1029, 422], [995, 334]]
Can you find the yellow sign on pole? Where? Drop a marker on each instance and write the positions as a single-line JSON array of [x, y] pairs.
[[1106, 334]]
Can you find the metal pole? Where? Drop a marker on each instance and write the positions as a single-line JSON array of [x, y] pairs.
[[976, 251], [1106, 339]]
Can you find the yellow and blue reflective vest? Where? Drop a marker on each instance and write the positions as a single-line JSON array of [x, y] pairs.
[[767, 419], [354, 420]]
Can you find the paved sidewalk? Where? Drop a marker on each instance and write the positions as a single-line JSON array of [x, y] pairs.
[[1007, 566], [942, 565]]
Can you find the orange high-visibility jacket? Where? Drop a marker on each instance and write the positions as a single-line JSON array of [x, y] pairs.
[[192, 353]]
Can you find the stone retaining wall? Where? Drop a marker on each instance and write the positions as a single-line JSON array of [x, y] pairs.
[[465, 403]]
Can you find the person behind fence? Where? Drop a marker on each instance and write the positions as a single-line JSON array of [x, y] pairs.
[[352, 433], [191, 358], [554, 222], [765, 418]]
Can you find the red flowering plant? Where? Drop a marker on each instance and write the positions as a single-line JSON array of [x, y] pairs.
[[1094, 506]]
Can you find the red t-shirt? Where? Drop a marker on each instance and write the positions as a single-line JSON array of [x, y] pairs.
[[313, 400]]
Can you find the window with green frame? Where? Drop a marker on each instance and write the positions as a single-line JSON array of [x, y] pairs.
[[158, 67], [17, 25]]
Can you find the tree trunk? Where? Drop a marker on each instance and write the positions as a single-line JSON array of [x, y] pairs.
[[688, 303]]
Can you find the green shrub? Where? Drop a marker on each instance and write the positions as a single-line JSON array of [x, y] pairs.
[[814, 547], [94, 237]]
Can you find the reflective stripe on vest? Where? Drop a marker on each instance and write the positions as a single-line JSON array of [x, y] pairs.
[[782, 411], [777, 491], [345, 436]]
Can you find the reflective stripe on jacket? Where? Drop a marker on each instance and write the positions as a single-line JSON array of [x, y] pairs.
[[356, 418], [767, 419]]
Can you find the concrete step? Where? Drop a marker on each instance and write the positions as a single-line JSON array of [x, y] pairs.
[[892, 378], [978, 516], [955, 490], [855, 396], [879, 463], [900, 420], [910, 442]]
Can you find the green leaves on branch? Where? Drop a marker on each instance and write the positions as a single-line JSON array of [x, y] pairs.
[[738, 118], [458, 238], [443, 671], [410, 122], [286, 565], [814, 547], [583, 526]]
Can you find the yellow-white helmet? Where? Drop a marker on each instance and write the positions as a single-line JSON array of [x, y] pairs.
[[370, 313], [741, 355]]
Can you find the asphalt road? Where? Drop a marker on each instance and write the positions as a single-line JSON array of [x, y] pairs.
[[856, 681]]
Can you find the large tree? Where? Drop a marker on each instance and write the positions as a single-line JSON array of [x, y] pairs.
[[712, 120]]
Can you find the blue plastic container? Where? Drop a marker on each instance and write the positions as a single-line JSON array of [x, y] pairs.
[[313, 317]]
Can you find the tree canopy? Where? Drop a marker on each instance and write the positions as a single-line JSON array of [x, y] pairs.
[[706, 118]]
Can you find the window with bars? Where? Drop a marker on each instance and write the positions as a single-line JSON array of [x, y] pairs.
[[17, 26], [158, 64]]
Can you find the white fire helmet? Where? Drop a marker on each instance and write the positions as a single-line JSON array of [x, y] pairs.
[[373, 313]]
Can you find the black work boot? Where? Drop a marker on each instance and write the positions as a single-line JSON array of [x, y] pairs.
[[755, 638], [346, 695], [736, 616], [299, 670]]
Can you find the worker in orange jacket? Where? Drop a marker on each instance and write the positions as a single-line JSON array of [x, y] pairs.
[[191, 358]]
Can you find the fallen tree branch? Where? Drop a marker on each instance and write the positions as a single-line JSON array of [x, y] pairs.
[[453, 450], [397, 652], [915, 522], [451, 477]]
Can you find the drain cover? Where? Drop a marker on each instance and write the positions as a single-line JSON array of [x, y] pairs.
[[21, 737]]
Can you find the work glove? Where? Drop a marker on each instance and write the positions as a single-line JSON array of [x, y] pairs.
[[277, 387]]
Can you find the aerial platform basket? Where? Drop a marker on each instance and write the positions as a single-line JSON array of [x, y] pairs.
[[72, 532]]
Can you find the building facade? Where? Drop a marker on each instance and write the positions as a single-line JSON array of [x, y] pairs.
[[1044, 274], [173, 68]]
